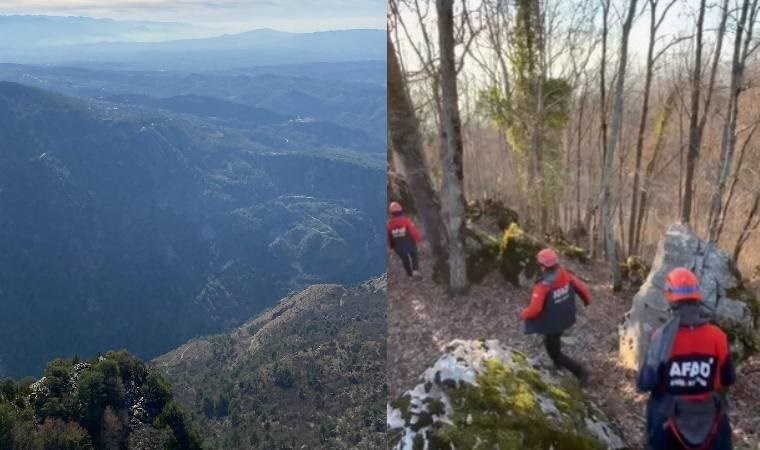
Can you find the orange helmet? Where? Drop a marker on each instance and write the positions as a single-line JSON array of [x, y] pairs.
[[682, 285], [547, 258], [395, 207]]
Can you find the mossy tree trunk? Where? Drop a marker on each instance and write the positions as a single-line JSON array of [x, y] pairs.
[[406, 140], [609, 154], [452, 192]]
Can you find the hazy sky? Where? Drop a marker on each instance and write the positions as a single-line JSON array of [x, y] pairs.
[[230, 15]]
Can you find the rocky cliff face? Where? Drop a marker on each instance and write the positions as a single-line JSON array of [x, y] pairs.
[[734, 308], [486, 395]]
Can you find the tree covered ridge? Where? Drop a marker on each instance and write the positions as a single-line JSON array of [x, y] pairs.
[[310, 371], [113, 401]]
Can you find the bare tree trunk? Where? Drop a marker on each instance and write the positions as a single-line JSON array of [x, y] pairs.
[[642, 126], [748, 228], [609, 156], [649, 172], [694, 138], [406, 140], [451, 150], [538, 127], [697, 125], [603, 101], [728, 141], [735, 178], [578, 157], [538, 150], [681, 147]]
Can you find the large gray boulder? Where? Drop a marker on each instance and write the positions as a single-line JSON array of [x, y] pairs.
[[720, 283], [483, 394]]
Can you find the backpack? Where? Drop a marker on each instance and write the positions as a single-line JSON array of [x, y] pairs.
[[695, 421]]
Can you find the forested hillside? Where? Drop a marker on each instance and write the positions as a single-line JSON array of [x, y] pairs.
[[111, 402], [127, 227], [310, 371]]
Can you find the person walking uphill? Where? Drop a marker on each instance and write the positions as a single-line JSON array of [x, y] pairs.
[[403, 238], [552, 309], [686, 370]]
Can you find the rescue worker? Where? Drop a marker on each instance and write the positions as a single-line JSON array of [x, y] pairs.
[[686, 370], [552, 309], [403, 238]]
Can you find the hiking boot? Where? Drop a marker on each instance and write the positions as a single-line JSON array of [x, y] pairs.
[[417, 275]]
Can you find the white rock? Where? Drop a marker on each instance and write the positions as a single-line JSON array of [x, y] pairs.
[[421, 411], [680, 247]]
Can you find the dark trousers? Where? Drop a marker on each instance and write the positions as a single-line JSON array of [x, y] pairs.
[[409, 258], [553, 343]]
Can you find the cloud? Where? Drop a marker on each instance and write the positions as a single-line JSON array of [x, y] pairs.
[[294, 14]]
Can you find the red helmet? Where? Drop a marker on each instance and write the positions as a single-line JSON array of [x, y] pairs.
[[547, 258], [682, 285], [395, 207]]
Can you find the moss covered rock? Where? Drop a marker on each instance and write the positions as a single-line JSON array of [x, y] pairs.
[[513, 253], [517, 259], [495, 241], [493, 210], [635, 270], [483, 252], [570, 250], [481, 394]]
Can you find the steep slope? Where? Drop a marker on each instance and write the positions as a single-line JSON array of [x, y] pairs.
[[309, 372], [126, 230]]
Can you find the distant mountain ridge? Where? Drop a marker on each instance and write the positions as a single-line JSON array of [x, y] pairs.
[[206, 107], [281, 89], [252, 48], [44, 30]]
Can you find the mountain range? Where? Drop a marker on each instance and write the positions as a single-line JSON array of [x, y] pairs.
[[30, 31], [133, 228], [111, 44], [162, 187], [280, 89]]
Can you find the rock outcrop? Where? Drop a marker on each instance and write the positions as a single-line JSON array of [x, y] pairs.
[[486, 395], [512, 253], [734, 309]]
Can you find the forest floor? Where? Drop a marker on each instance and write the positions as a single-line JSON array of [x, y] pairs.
[[423, 318]]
